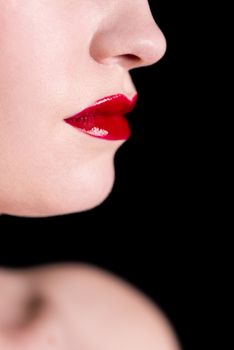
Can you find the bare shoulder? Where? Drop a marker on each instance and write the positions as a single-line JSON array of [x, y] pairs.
[[107, 310]]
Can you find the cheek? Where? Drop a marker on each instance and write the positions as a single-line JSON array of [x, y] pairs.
[[34, 79], [32, 69], [42, 68]]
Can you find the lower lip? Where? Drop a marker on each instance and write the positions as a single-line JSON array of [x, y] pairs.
[[103, 126]]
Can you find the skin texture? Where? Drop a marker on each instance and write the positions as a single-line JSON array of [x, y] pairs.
[[56, 58], [71, 307]]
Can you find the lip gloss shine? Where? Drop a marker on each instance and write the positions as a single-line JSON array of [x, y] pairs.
[[105, 119]]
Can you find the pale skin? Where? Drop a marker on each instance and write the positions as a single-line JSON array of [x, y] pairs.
[[56, 58], [78, 307]]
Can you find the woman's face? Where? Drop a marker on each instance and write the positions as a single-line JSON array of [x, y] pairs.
[[57, 57]]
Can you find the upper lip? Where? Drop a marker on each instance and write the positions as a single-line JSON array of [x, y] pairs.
[[117, 104]]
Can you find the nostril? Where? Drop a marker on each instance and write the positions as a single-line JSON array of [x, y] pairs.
[[131, 57], [129, 61], [126, 60]]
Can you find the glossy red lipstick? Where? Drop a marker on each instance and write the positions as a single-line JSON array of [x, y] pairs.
[[105, 119]]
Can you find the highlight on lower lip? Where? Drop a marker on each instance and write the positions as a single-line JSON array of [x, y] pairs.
[[106, 118]]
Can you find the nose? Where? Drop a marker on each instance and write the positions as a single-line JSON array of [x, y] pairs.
[[128, 37]]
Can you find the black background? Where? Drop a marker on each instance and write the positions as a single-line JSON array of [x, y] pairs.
[[158, 205]]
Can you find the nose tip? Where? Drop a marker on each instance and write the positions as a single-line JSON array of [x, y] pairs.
[[151, 46], [131, 41]]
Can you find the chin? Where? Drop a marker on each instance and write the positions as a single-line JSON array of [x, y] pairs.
[[81, 191], [95, 187]]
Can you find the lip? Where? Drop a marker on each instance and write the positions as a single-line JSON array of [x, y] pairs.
[[105, 119]]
